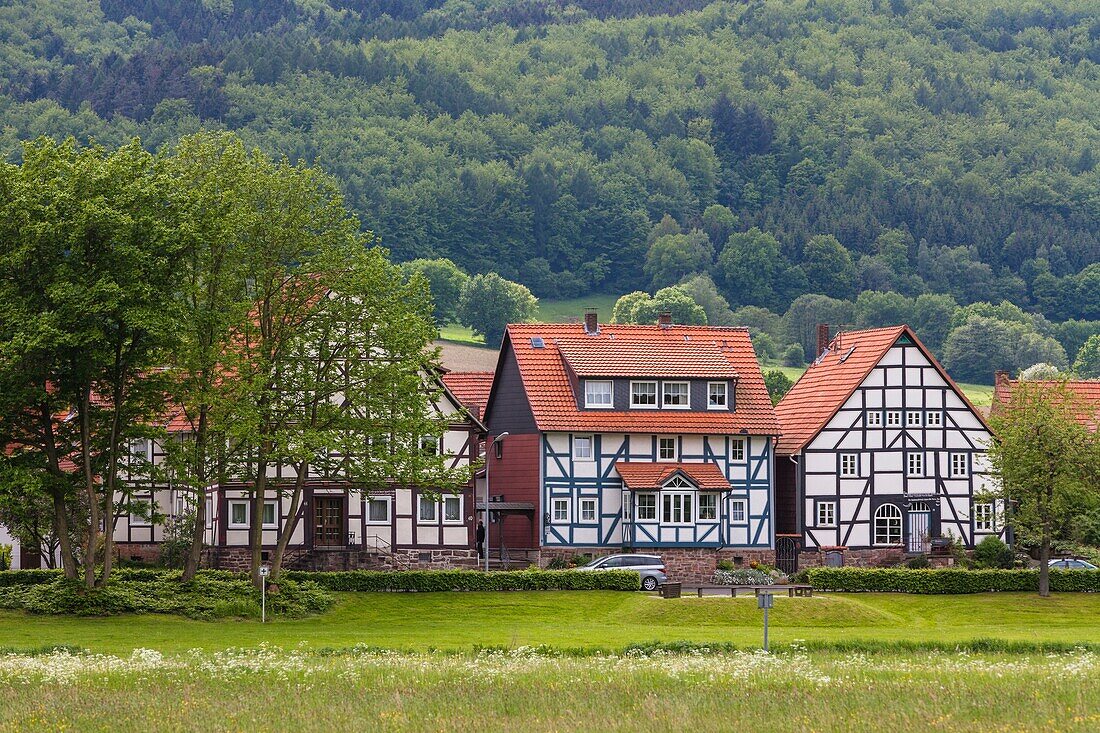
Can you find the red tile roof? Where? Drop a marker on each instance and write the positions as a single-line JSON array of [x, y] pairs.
[[613, 357], [470, 388], [621, 349], [1086, 390], [651, 476], [831, 380]]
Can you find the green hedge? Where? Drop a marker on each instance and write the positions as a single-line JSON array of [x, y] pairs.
[[469, 580], [897, 580], [28, 577], [138, 575], [203, 598]]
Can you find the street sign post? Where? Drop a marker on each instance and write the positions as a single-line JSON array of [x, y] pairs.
[[265, 570], [764, 600]]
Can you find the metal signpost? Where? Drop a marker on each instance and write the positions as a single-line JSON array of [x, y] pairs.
[[265, 570], [764, 600]]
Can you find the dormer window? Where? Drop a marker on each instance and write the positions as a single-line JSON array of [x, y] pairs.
[[676, 395], [598, 393], [643, 395], [716, 396]]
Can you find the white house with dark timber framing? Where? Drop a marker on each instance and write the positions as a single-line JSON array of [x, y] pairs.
[[340, 525], [880, 453]]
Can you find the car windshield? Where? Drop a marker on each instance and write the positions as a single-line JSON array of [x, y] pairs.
[[593, 563]]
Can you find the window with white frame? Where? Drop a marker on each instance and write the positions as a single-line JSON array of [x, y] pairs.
[[913, 419], [561, 510], [643, 394], [708, 507], [238, 513], [888, 525], [826, 514], [874, 419], [675, 395], [959, 464], [737, 510], [666, 448], [983, 517], [588, 510], [716, 396], [452, 508], [934, 419], [378, 511], [270, 508], [914, 464], [676, 508], [582, 447], [427, 509], [598, 393], [737, 449], [893, 418], [849, 464], [645, 506]]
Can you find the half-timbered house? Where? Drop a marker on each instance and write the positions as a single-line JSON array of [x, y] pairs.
[[339, 525], [880, 453], [657, 438]]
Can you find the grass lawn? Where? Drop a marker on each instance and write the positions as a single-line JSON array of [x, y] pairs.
[[607, 620], [563, 311]]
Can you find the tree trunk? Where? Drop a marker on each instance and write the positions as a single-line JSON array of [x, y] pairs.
[[1044, 565], [287, 531], [61, 532], [198, 533]]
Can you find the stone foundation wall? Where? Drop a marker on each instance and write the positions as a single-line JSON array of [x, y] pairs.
[[868, 558], [143, 552], [238, 559], [682, 564]]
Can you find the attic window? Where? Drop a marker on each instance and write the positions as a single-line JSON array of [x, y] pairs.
[[847, 354], [537, 342]]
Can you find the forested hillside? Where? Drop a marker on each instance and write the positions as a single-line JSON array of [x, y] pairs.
[[814, 146]]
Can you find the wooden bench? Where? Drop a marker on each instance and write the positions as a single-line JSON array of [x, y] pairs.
[[804, 591]]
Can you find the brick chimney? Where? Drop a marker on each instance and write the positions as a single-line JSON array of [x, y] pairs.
[[664, 320], [1000, 378], [591, 321], [822, 338]]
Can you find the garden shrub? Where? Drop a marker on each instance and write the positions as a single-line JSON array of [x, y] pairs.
[[744, 576], [726, 565], [426, 581], [919, 562], [993, 553], [203, 598], [28, 577], [897, 580], [557, 563]]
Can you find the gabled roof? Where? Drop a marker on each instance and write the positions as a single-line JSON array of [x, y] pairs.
[[549, 356], [640, 476], [470, 388], [1087, 390], [828, 383]]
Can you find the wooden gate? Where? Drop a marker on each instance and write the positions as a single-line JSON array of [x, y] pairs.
[[786, 554]]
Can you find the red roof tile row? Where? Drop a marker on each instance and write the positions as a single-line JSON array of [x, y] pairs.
[[652, 476], [470, 388], [1087, 392], [619, 350]]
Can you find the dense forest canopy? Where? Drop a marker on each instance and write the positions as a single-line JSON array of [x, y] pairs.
[[784, 148]]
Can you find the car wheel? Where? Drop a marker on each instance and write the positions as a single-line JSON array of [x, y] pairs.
[[649, 583]]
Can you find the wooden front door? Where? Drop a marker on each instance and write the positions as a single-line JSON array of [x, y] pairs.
[[328, 521]]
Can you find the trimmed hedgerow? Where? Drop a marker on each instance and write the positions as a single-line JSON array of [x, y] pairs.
[[28, 577], [427, 581], [898, 580], [137, 575], [202, 598]]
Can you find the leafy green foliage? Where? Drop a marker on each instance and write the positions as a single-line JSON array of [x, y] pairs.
[[1087, 363], [778, 384], [469, 580], [445, 281], [993, 553], [890, 580], [501, 134], [204, 597], [489, 303], [641, 308]]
